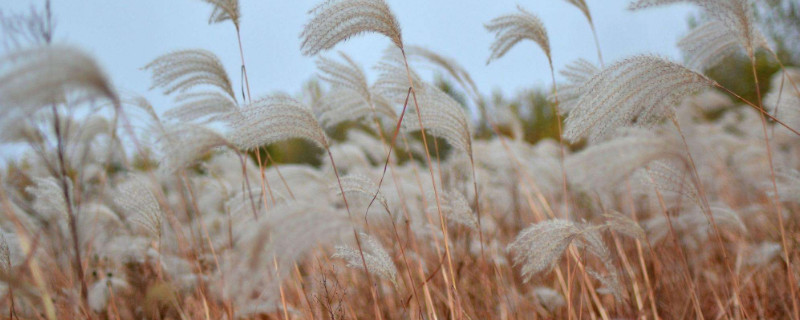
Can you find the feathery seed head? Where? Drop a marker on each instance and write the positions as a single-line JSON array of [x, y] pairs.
[[139, 204], [624, 225], [335, 21], [351, 97], [224, 10], [378, 261], [443, 117], [539, 246], [640, 90], [735, 15], [512, 28], [274, 119], [361, 186], [631, 152], [182, 144], [581, 5], [577, 74], [183, 70], [36, 77], [392, 81]]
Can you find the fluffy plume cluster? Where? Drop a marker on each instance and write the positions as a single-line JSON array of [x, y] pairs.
[[183, 72], [581, 5], [630, 152], [447, 64], [512, 28], [392, 81], [182, 144], [41, 76], [335, 21], [639, 90], [49, 198], [273, 119], [445, 118], [707, 45], [733, 21], [665, 216], [456, 208], [577, 73], [140, 205], [351, 97], [625, 225], [360, 186], [224, 10], [538, 247], [377, 259]]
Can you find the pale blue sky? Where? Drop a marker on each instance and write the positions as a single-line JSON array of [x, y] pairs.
[[124, 35]]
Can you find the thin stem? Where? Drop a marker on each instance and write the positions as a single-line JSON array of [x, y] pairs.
[[759, 109], [560, 140], [596, 44], [73, 220], [776, 201], [477, 204]]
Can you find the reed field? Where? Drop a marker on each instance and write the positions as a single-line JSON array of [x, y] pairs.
[[638, 188]]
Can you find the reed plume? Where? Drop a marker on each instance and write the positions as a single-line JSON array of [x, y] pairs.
[[335, 21], [637, 91]]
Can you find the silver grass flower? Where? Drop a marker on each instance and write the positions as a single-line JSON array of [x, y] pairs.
[[40, 76], [49, 201], [735, 15], [335, 21], [378, 261], [581, 5], [186, 70], [693, 227], [592, 240], [351, 97], [782, 100], [341, 105], [449, 65], [577, 73], [224, 10], [456, 209], [640, 90], [181, 145], [707, 45], [611, 284], [360, 186], [182, 70], [392, 81], [280, 240], [347, 74], [549, 298], [273, 119], [624, 225], [371, 146], [195, 105], [630, 152], [538, 247], [443, 117], [668, 178], [512, 28], [139, 204]]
